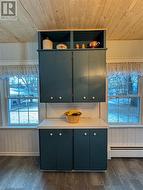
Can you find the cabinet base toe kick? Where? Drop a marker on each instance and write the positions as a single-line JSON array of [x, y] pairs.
[[74, 171]]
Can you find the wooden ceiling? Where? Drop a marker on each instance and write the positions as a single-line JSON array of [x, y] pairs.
[[123, 19]]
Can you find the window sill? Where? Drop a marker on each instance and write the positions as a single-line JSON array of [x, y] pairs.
[[19, 127], [126, 126]]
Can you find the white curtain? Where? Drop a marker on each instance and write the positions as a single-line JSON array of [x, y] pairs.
[[126, 67], [17, 70]]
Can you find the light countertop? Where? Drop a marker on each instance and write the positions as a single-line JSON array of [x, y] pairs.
[[63, 124]]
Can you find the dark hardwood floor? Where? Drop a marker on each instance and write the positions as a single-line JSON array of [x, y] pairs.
[[22, 173]]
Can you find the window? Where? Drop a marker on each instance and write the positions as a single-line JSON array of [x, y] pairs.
[[23, 100], [123, 98]]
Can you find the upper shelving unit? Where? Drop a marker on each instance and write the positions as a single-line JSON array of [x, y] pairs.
[[71, 40]]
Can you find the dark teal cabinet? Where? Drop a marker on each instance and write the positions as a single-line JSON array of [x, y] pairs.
[[47, 149], [98, 149], [77, 149], [64, 149], [81, 149], [89, 71], [55, 73], [72, 76], [55, 149], [90, 149], [97, 76], [80, 76]]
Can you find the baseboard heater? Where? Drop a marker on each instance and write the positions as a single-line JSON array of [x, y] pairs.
[[126, 151]]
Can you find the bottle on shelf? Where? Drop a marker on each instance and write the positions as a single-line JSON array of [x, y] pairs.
[[83, 46]]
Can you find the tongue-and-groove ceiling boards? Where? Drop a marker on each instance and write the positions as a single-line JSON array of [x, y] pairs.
[[123, 19]]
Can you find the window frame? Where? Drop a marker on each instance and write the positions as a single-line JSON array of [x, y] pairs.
[[119, 124], [20, 97]]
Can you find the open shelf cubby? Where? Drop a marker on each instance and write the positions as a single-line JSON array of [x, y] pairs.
[[57, 37], [71, 38], [85, 37]]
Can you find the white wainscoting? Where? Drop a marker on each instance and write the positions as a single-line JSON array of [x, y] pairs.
[[19, 142], [127, 136], [125, 142]]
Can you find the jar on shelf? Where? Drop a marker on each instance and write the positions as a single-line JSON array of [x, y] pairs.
[[47, 44], [77, 46]]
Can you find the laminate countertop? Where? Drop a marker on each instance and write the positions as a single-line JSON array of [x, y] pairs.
[[63, 124]]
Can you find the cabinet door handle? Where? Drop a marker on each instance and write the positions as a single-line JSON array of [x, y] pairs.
[[84, 97], [60, 134], [51, 134], [85, 134], [51, 97], [93, 97], [94, 134]]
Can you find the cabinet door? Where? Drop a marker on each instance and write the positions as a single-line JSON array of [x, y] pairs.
[[64, 149], [98, 147], [55, 76], [81, 149], [48, 146], [89, 69], [80, 76], [97, 72]]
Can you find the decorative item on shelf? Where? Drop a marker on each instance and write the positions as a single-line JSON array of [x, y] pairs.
[[73, 116], [47, 44], [61, 46], [77, 46], [83, 46], [94, 44]]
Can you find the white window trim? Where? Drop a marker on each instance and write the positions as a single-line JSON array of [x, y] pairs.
[[4, 111], [18, 97], [4, 120], [140, 95], [125, 126]]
